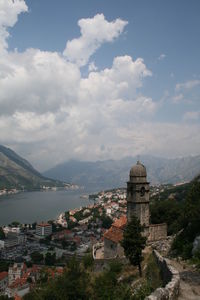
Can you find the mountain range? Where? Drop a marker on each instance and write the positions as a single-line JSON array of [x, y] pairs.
[[114, 173], [16, 172]]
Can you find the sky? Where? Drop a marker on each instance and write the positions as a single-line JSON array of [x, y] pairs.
[[94, 80]]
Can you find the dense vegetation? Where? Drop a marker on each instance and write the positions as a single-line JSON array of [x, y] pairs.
[[80, 281], [2, 234], [181, 212]]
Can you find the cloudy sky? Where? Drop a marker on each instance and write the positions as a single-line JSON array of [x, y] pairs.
[[94, 79]]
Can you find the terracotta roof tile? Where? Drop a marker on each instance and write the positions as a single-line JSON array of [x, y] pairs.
[[121, 222], [114, 234], [43, 224], [3, 275], [18, 283]]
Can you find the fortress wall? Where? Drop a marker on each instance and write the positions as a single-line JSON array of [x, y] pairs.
[[171, 278], [110, 248], [157, 232]]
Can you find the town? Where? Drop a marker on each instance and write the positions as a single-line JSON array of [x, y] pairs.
[[27, 249]]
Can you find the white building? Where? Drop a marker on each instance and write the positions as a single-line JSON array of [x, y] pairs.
[[2, 244], [8, 229], [43, 229], [16, 272]]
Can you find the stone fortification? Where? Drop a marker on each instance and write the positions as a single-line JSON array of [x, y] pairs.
[[157, 232], [171, 279]]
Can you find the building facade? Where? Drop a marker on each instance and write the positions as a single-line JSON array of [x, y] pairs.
[[112, 238], [43, 229], [16, 272]]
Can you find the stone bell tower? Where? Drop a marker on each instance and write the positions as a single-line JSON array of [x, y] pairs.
[[138, 195]]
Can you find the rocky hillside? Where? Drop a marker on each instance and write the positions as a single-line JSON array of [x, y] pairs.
[[16, 172], [114, 173]]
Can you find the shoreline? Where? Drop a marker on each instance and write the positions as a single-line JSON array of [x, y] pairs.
[[38, 205], [14, 191]]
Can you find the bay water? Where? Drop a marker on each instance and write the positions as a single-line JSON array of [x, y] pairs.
[[29, 207]]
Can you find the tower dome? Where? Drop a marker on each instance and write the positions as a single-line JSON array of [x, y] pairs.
[[138, 173], [138, 170]]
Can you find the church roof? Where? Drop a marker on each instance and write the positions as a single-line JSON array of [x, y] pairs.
[[121, 222], [138, 170], [114, 234]]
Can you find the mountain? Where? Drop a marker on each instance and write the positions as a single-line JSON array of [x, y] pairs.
[[16, 172], [114, 173]]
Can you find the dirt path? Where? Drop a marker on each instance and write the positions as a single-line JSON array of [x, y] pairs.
[[190, 282]]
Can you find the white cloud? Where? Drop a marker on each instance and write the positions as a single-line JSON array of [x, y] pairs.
[[45, 101], [36, 81], [94, 32], [177, 98], [191, 115], [9, 11], [92, 67], [50, 113], [122, 80], [162, 56], [187, 85]]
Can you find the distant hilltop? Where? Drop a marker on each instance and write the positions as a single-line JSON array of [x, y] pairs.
[[109, 174], [18, 173]]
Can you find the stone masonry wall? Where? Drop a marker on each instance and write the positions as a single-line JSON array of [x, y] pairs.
[[171, 280], [157, 232]]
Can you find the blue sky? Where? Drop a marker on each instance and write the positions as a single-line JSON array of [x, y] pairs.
[[127, 84]]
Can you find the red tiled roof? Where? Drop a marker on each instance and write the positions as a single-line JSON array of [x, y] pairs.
[[67, 231], [121, 222], [77, 239], [3, 275], [43, 224], [35, 269], [18, 283], [114, 234], [57, 271]]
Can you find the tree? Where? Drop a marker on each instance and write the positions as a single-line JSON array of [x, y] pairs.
[[15, 224], [50, 259], [37, 257], [183, 242], [134, 242], [2, 234], [88, 261], [106, 221]]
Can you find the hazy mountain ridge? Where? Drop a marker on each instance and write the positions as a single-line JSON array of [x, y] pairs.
[[114, 173], [13, 156], [16, 172]]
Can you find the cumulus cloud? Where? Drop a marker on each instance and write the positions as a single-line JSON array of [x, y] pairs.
[[49, 112], [9, 11], [187, 85], [92, 67], [94, 32], [36, 81], [122, 80]]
